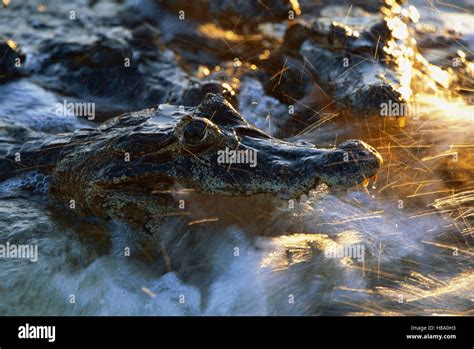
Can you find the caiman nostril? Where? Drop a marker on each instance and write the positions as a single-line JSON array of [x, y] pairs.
[[368, 151]]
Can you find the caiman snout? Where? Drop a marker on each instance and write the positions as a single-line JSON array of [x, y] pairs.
[[364, 150], [350, 163], [290, 170]]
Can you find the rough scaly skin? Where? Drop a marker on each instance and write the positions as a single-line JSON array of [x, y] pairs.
[[129, 168]]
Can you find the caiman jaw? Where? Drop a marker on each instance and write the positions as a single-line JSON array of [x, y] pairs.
[[285, 170], [352, 162]]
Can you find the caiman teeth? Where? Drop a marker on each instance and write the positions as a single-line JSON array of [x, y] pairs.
[[366, 182], [374, 181]]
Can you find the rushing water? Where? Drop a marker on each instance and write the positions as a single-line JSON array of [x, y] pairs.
[[412, 227]]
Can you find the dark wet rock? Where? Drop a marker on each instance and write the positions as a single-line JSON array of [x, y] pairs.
[[93, 58], [111, 70], [262, 110], [232, 14], [286, 97], [197, 90], [316, 7], [206, 43], [347, 63], [281, 104], [209, 45], [362, 89], [361, 60], [243, 85], [116, 74], [145, 37], [11, 60], [325, 67]]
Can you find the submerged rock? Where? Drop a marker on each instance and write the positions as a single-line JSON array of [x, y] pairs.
[[347, 61], [11, 60], [111, 73], [362, 60], [86, 54]]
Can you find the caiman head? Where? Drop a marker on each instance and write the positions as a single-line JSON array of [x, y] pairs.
[[140, 166]]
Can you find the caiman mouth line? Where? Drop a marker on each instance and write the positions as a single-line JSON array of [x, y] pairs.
[[136, 167]]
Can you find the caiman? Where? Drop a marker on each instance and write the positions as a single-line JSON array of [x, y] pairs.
[[131, 167]]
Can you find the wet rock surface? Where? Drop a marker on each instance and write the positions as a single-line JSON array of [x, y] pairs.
[[11, 60], [111, 72], [233, 14], [326, 60], [93, 58]]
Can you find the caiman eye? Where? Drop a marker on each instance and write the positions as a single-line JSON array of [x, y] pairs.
[[195, 132]]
